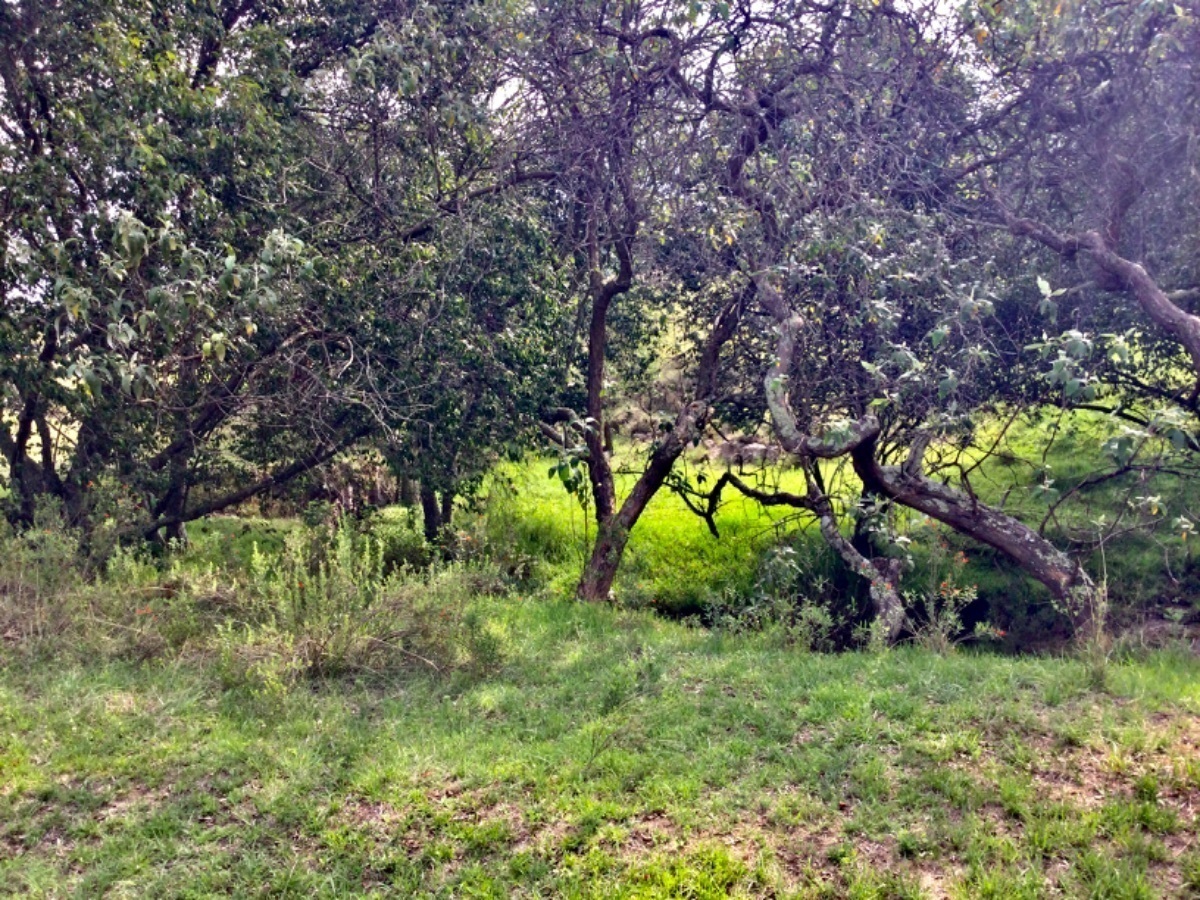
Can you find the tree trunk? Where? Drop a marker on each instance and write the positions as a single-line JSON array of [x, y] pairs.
[[1066, 580], [27, 481], [881, 575], [601, 569], [266, 483], [612, 533], [408, 492], [447, 507], [172, 508], [174, 499], [432, 513], [604, 494]]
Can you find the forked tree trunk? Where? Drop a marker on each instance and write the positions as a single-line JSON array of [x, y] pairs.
[[881, 575], [613, 528], [907, 485], [612, 535]]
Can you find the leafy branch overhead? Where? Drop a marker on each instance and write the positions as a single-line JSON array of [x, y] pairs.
[[243, 238]]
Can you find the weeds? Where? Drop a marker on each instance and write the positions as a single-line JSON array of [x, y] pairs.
[[934, 614], [325, 605], [780, 603], [524, 745], [935, 617], [40, 582]]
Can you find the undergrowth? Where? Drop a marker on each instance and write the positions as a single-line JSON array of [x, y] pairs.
[[305, 710], [325, 604]]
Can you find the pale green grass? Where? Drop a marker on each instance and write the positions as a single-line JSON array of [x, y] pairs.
[[672, 562]]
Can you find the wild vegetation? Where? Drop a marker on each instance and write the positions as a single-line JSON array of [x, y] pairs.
[[599, 448], [288, 709]]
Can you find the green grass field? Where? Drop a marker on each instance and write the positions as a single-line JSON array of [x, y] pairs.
[[612, 754], [672, 561], [211, 726]]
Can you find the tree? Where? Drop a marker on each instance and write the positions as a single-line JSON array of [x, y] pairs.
[[1099, 168], [187, 288], [457, 286], [149, 277], [600, 92], [850, 131]]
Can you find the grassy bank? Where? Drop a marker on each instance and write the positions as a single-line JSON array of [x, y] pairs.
[[1151, 570], [283, 711], [610, 754]]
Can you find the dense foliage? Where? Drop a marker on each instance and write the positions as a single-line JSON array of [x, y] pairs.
[[242, 238]]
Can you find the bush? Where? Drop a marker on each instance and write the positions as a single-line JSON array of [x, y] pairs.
[[521, 539], [402, 543], [327, 603], [933, 614], [40, 579], [326, 607], [782, 602], [935, 617]]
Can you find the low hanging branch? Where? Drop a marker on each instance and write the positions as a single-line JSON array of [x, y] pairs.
[[1129, 275], [316, 458], [907, 485], [881, 574], [705, 504]]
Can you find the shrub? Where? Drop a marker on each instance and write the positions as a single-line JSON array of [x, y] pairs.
[[520, 539], [781, 602], [934, 615], [326, 603], [325, 607], [40, 579], [402, 544]]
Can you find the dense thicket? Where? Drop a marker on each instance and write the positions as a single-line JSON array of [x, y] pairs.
[[241, 238]]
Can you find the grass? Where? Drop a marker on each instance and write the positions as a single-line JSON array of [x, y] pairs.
[[674, 565], [614, 754], [672, 562], [217, 728]]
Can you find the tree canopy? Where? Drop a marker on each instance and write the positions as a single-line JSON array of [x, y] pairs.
[[241, 238]]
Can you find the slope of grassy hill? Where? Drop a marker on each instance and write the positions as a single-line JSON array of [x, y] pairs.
[[608, 754]]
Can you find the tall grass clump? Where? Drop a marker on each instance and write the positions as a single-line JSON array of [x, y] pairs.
[[327, 606], [327, 603], [529, 527], [41, 581], [791, 600]]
